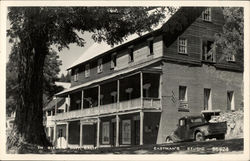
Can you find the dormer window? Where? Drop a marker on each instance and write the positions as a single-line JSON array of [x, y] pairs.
[[76, 75], [87, 70], [182, 45], [206, 15], [99, 66], [131, 54], [113, 61]]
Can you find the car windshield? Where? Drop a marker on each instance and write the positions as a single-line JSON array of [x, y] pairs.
[[196, 120]]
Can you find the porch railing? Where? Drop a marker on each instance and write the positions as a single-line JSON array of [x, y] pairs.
[[133, 104]]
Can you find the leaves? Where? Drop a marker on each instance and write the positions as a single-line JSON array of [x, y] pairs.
[[231, 40]]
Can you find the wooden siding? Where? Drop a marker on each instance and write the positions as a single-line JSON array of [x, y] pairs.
[[141, 54], [198, 31]]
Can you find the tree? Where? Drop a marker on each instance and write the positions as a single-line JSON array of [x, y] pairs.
[[231, 40], [51, 70], [35, 29]]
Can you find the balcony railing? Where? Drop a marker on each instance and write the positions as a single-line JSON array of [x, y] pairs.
[[129, 105]]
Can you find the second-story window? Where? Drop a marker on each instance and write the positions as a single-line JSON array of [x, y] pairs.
[[76, 75], [113, 61], [87, 70], [151, 46], [208, 51], [99, 66], [206, 15], [131, 54], [182, 46]]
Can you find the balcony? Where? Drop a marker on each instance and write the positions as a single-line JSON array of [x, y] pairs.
[[130, 105]]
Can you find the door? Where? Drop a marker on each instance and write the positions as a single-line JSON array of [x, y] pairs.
[[137, 132], [182, 129], [113, 133]]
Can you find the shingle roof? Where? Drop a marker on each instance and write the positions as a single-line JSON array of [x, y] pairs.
[[51, 104]]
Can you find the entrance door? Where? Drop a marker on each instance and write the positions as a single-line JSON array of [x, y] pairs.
[[114, 133], [137, 132], [88, 135]]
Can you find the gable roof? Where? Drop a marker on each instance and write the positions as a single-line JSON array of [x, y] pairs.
[[174, 25]]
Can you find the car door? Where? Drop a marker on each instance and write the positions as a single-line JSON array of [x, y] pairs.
[[182, 129]]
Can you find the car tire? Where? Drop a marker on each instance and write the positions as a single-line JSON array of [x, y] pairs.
[[199, 136], [169, 140], [220, 137]]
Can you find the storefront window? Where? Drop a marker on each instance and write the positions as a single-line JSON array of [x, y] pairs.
[[105, 132]]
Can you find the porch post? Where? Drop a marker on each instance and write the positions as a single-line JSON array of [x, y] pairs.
[[117, 131], [55, 105], [141, 127], [82, 99], [98, 133], [67, 134], [55, 135], [80, 133], [69, 103], [118, 94], [141, 88]]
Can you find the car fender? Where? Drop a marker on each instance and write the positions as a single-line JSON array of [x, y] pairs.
[[203, 129]]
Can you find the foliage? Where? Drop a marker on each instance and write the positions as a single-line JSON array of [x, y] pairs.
[[51, 70], [231, 40], [65, 78]]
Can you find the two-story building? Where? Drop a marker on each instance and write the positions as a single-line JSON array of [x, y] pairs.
[[134, 93]]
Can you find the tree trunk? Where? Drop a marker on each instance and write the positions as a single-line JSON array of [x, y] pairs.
[[28, 125]]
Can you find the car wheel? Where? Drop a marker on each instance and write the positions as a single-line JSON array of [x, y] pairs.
[[169, 140], [220, 137], [199, 136]]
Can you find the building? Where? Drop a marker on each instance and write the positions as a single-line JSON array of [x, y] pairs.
[[134, 94]]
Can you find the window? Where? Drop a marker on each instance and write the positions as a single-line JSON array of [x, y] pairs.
[[182, 46], [207, 99], [105, 133], [87, 70], [131, 54], [230, 100], [208, 51], [126, 132], [76, 75], [231, 58], [99, 66], [182, 122], [182, 93], [151, 46], [206, 15], [113, 61]]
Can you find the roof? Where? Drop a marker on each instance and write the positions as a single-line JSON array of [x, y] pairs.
[[65, 85], [100, 48], [51, 105], [171, 27]]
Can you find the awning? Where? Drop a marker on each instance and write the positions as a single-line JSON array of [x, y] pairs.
[[116, 74]]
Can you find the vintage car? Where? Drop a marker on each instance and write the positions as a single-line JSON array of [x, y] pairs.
[[197, 128]]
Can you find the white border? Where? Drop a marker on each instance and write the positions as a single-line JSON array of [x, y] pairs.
[[244, 156]]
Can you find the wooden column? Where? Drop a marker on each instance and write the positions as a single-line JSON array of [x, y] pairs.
[[69, 103], [67, 134], [55, 135], [82, 99], [141, 127], [98, 133], [141, 88], [117, 131], [55, 105], [80, 133], [118, 95]]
